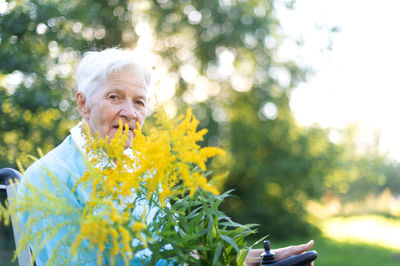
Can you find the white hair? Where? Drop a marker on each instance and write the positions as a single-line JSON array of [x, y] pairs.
[[96, 67]]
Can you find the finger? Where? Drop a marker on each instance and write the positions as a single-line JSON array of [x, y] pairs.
[[301, 248], [283, 253]]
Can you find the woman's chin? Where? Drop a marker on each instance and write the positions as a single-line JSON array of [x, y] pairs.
[[129, 140]]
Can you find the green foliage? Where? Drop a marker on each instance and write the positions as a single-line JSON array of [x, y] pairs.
[[193, 230], [233, 45], [200, 233], [358, 174], [40, 44], [225, 41], [267, 153], [275, 173]]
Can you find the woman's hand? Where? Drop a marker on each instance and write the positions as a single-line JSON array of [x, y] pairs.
[[254, 259]]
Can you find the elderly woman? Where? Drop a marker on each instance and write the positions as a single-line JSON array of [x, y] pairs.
[[112, 86]]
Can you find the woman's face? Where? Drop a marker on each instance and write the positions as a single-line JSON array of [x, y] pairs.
[[122, 97]]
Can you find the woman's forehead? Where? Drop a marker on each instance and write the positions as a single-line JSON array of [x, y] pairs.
[[127, 78], [124, 82]]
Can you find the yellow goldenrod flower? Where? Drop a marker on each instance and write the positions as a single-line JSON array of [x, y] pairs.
[[163, 167], [138, 226]]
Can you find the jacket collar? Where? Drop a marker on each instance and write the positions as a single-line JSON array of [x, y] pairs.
[[78, 136]]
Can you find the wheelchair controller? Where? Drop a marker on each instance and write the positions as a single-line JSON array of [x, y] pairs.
[[268, 258]]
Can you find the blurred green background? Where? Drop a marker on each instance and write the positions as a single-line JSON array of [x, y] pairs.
[[221, 58]]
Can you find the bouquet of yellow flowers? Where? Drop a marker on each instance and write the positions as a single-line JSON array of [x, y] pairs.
[[156, 196]]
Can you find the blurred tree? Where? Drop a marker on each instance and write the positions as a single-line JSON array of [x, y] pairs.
[[220, 57], [224, 58], [276, 168], [391, 172], [362, 171], [40, 44]]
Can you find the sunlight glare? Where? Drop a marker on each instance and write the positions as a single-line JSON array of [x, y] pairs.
[[162, 83], [225, 59], [369, 229], [12, 81], [354, 69]]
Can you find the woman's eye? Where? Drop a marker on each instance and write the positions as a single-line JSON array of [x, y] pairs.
[[113, 97], [141, 103]]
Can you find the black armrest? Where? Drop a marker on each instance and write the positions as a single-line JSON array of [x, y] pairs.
[[8, 173]]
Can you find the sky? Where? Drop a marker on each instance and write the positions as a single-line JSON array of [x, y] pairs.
[[356, 81]]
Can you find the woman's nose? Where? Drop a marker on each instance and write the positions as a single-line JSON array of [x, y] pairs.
[[128, 110]]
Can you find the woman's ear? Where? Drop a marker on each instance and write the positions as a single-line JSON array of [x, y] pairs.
[[83, 108]]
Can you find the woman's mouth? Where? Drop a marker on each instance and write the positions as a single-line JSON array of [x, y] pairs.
[[130, 129]]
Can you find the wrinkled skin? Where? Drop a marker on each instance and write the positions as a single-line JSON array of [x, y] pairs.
[[122, 97]]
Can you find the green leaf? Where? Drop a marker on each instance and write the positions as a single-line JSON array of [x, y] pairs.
[[217, 254], [230, 241]]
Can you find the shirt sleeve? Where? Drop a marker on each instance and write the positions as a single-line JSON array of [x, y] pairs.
[[49, 216]]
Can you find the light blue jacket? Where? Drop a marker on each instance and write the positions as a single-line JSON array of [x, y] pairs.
[[67, 164]]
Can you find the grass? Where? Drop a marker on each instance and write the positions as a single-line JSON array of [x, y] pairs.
[[355, 240], [332, 252]]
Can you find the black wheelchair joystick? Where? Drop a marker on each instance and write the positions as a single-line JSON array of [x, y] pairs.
[[268, 258]]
